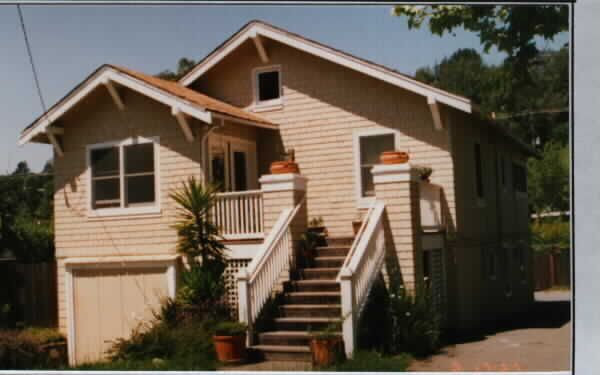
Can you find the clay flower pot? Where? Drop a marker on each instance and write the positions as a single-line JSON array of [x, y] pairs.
[[230, 349], [394, 157], [279, 167], [325, 352]]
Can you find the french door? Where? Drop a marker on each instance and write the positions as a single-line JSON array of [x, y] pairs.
[[232, 163]]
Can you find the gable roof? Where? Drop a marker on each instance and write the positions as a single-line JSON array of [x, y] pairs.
[[259, 28], [190, 102]]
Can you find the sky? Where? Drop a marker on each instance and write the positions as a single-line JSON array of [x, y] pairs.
[[70, 41]]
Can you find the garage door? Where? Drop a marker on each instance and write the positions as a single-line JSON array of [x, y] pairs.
[[110, 303]]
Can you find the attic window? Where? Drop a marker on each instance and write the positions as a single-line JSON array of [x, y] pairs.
[[268, 86]]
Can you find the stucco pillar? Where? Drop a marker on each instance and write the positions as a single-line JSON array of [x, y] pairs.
[[282, 191], [398, 186]]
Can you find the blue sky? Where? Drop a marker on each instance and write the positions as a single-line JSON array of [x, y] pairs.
[[69, 42]]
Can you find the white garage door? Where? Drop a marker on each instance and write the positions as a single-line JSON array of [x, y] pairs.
[[110, 303]]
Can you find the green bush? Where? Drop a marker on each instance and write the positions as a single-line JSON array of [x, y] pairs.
[[415, 324], [550, 234], [190, 344], [372, 361], [24, 349], [230, 329]]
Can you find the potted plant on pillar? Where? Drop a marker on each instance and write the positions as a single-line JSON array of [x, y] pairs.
[[288, 165], [230, 342], [424, 173], [394, 157]]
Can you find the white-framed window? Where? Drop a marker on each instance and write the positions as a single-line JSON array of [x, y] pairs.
[[123, 177], [268, 91], [368, 146]]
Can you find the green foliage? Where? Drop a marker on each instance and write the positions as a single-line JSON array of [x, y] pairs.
[[230, 329], [511, 29], [316, 222], [184, 65], [415, 324], [202, 292], [371, 361], [185, 347], [331, 331], [548, 179], [550, 235], [198, 235], [24, 349]]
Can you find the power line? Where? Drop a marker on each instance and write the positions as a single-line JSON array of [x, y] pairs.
[[35, 75]]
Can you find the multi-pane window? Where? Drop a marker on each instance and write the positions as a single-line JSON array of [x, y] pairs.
[[371, 148], [123, 175], [478, 171]]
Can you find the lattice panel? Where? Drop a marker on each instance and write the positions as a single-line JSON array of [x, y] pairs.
[[233, 267]]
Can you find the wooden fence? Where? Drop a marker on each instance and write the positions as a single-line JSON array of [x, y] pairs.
[[37, 294], [552, 269]]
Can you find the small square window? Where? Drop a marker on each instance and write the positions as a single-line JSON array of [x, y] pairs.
[[268, 86]]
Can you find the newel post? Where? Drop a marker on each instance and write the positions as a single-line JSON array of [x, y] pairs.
[[348, 311], [245, 314]]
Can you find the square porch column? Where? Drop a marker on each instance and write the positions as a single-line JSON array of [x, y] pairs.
[[398, 186]]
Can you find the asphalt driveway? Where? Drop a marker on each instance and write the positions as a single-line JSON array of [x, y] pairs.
[[539, 342]]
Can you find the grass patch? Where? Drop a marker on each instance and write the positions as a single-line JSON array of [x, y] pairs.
[[373, 362], [176, 364]]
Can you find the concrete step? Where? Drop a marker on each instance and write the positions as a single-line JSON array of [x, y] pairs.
[[340, 241], [312, 298], [329, 262], [330, 251], [304, 323], [314, 286], [299, 353], [319, 273], [285, 338], [311, 310]]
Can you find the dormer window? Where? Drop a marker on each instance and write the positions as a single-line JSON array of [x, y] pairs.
[[267, 87]]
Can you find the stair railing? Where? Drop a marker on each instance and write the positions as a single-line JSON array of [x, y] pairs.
[[256, 282], [360, 270]]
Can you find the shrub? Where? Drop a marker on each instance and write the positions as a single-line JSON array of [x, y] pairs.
[[203, 290], [415, 324], [230, 329], [550, 234], [372, 361], [24, 349]]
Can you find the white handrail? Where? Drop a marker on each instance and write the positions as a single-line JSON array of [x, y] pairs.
[[357, 238], [239, 214], [256, 282], [360, 271]]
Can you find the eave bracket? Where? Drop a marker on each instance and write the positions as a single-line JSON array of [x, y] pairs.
[[434, 106], [183, 123], [112, 90]]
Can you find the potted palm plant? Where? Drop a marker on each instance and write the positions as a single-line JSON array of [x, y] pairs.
[[230, 342]]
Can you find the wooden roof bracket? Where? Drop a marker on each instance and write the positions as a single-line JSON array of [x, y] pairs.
[[51, 132], [260, 47], [183, 123], [434, 107], [112, 90]]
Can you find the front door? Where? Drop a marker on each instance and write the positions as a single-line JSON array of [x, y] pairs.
[[232, 163]]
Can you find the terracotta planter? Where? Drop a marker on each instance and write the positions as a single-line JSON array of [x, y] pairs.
[[230, 349], [356, 226], [279, 167], [394, 157], [325, 352]]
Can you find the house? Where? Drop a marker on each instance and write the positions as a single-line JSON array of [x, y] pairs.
[[123, 140]]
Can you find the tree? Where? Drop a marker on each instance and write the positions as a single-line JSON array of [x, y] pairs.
[[548, 179], [22, 169], [183, 66], [511, 29]]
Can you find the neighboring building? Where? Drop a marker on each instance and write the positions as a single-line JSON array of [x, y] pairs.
[[123, 140]]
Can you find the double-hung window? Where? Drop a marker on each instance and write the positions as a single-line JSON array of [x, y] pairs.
[[123, 177]]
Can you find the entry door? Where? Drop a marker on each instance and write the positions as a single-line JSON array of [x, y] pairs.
[[233, 164]]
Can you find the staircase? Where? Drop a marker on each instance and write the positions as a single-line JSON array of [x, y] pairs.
[[311, 301]]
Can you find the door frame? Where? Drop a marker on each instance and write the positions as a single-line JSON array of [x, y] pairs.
[[232, 144]]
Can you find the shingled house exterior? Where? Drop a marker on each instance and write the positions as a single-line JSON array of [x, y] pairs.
[[123, 140]]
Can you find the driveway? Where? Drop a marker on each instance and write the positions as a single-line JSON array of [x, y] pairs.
[[540, 342]]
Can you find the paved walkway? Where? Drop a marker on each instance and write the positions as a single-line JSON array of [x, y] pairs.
[[277, 366], [542, 343]]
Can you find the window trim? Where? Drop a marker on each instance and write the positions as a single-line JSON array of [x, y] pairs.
[[123, 211], [266, 105], [365, 202], [480, 200]]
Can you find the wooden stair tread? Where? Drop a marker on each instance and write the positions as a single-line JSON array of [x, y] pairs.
[[320, 269], [333, 257], [317, 281], [292, 333], [311, 306], [314, 293], [282, 348], [308, 319]]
